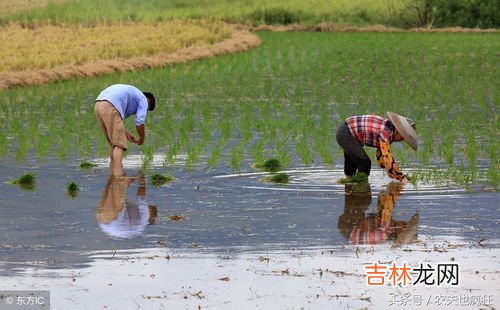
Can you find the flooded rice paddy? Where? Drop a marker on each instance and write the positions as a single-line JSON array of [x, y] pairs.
[[218, 239]]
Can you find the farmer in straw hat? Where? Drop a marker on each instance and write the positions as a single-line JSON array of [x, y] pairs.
[[374, 131], [112, 106]]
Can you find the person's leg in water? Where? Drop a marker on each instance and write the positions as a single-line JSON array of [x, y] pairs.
[[116, 165], [355, 158], [350, 167], [115, 133], [111, 162]]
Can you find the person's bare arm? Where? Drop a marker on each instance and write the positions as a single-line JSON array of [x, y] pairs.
[[140, 130]]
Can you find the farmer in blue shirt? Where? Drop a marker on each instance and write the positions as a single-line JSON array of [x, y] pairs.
[[112, 106]]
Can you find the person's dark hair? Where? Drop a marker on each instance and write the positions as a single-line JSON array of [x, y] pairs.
[[151, 99]]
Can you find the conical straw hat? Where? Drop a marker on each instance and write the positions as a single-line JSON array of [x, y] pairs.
[[406, 127]]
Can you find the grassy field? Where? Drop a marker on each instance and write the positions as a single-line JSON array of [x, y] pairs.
[[15, 6], [285, 99], [92, 12]]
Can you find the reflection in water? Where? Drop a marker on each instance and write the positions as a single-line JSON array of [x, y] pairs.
[[377, 227], [120, 218]]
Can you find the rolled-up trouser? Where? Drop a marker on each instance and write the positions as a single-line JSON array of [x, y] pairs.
[[111, 124], [355, 158]]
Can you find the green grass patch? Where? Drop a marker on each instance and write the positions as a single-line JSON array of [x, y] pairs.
[[87, 165], [270, 165], [281, 178], [93, 12], [73, 189], [357, 188], [27, 178], [359, 177], [26, 181], [158, 179]]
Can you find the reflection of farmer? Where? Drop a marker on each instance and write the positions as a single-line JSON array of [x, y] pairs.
[[374, 131], [380, 227], [356, 201], [119, 218], [113, 105]]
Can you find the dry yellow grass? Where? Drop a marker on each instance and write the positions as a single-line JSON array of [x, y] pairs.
[[191, 47], [46, 47], [12, 6]]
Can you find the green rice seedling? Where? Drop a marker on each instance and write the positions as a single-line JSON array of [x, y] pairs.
[[63, 149], [427, 148], [448, 152], [270, 165], [43, 147], [493, 175], [205, 130], [304, 151], [245, 124], [471, 150], [158, 179], [87, 165], [399, 153], [22, 150], [236, 157], [326, 153], [282, 152], [356, 188], [413, 179], [359, 177], [193, 153], [84, 145], [459, 175], [73, 189], [27, 178], [3, 146], [277, 178], [147, 156], [172, 152], [258, 151], [26, 181], [214, 155], [226, 129]]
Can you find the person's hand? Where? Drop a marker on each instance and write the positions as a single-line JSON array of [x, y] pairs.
[[404, 180], [130, 137], [139, 142]]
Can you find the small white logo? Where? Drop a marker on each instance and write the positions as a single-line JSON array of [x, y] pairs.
[[9, 300]]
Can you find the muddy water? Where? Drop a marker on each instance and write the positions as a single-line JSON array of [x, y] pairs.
[[221, 212]]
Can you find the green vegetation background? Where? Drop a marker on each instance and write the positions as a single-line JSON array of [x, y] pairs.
[[400, 13]]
